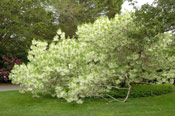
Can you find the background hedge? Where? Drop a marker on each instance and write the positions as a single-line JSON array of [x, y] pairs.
[[143, 91]]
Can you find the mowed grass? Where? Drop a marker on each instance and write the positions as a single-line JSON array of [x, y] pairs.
[[13, 103]]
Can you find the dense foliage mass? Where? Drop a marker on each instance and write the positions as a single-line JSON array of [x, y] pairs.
[[157, 17], [107, 54], [75, 12], [20, 22]]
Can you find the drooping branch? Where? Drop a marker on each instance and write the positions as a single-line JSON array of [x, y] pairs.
[[114, 87], [114, 99]]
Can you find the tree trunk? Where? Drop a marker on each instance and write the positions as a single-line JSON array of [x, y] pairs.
[[129, 87]]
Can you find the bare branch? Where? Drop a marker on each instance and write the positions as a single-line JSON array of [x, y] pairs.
[[114, 99]]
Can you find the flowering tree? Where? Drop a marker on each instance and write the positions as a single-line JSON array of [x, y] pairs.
[[108, 54]]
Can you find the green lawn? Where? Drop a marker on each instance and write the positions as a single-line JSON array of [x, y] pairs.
[[14, 104]]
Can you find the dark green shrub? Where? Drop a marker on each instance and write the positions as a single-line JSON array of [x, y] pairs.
[[143, 91]]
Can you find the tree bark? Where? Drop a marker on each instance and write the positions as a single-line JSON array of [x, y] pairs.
[[129, 87]]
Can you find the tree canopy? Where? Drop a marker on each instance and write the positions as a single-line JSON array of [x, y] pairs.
[[21, 21], [75, 12], [158, 17]]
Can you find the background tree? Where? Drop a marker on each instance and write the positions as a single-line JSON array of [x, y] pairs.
[[75, 12], [158, 17], [21, 21]]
